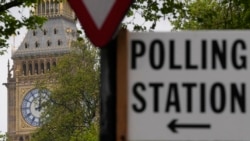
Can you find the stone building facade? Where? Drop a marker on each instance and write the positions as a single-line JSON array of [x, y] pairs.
[[38, 52]]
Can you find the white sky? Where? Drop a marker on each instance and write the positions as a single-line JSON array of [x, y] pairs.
[[161, 26], [3, 92]]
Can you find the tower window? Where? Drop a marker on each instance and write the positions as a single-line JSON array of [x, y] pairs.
[[54, 64], [44, 32], [42, 67], [34, 33], [30, 69], [47, 7], [36, 68], [39, 10], [21, 139], [43, 8], [52, 7], [26, 45], [27, 138], [24, 69], [55, 31], [48, 43], [59, 42], [56, 6], [37, 44], [48, 66]]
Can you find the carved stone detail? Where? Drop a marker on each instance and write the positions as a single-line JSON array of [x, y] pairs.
[[23, 92], [24, 124]]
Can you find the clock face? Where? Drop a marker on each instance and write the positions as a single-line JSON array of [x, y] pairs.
[[32, 106]]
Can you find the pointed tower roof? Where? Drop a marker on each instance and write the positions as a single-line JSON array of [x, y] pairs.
[[56, 34]]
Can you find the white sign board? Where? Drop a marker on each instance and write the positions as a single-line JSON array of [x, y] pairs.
[[189, 86]]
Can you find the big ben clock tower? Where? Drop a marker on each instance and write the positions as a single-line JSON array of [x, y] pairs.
[[38, 52]]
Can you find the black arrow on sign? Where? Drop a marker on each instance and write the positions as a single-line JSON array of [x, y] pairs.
[[173, 126]]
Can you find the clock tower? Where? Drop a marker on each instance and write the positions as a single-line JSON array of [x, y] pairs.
[[35, 56]]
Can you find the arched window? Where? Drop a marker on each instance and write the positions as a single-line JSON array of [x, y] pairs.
[[47, 7], [43, 8], [36, 68], [34, 33], [27, 138], [30, 69], [39, 9], [21, 139], [59, 42], [56, 7], [48, 43], [37, 44], [52, 7], [54, 64], [24, 69], [26, 45], [48, 66], [42, 67], [55, 31], [44, 32]]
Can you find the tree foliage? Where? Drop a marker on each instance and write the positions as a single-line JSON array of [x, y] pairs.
[[213, 14], [72, 108], [151, 11], [91, 134], [9, 24], [3, 136]]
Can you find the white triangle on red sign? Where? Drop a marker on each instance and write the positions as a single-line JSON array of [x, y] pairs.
[[99, 14], [100, 18]]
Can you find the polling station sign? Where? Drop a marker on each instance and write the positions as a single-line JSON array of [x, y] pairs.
[[192, 85]]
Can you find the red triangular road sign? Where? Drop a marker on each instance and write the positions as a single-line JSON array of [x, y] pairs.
[[100, 18]]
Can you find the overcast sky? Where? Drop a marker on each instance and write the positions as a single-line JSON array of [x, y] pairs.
[[161, 26]]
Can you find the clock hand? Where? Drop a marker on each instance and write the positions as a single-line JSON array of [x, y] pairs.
[[40, 104], [39, 107]]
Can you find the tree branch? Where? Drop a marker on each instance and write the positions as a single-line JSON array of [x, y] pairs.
[[10, 4]]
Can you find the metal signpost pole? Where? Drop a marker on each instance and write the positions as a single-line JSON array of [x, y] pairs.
[[108, 92]]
